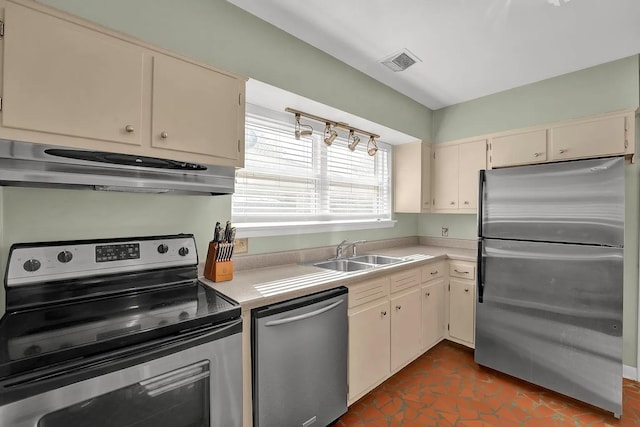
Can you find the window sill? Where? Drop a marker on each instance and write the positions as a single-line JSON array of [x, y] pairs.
[[289, 228]]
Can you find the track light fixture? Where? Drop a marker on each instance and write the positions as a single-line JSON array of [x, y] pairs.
[[353, 140], [298, 132], [372, 146], [330, 133]]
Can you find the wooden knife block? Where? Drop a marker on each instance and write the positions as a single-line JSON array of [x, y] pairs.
[[217, 271]]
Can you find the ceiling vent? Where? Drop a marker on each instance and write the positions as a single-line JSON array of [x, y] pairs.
[[400, 61]]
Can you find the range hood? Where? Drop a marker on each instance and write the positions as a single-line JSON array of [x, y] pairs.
[[27, 164]]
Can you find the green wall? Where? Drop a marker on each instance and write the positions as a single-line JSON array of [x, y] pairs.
[[603, 88]]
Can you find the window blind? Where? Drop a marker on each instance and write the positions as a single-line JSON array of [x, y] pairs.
[[289, 180]]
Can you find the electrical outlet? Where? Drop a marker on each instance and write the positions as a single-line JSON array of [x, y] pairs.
[[445, 231], [241, 246]]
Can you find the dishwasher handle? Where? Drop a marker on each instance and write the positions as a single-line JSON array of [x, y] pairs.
[[304, 316]]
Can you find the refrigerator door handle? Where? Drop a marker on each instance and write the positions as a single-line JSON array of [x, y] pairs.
[[480, 275], [481, 183]]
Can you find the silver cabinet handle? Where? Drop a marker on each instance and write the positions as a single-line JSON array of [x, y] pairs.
[[466, 290], [398, 307], [164, 134], [460, 272], [129, 128], [434, 272], [466, 202], [428, 294], [563, 150], [304, 316], [383, 313], [537, 154]]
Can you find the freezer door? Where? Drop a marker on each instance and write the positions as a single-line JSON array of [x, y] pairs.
[[574, 202], [551, 314]]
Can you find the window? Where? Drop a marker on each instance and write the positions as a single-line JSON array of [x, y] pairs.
[[303, 182]]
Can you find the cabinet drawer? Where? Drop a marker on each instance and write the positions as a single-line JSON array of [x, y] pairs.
[[432, 271], [365, 292], [405, 280], [463, 270]]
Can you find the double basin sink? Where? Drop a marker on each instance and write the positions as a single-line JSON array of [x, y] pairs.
[[357, 263]]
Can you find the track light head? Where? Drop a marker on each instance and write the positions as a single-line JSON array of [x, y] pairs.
[[330, 135], [299, 132], [372, 146], [353, 139]]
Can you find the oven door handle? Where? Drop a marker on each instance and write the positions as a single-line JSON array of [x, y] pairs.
[[176, 379]]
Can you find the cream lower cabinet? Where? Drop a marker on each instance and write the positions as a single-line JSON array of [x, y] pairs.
[[69, 82], [462, 301], [405, 328], [369, 351], [433, 313], [384, 329]]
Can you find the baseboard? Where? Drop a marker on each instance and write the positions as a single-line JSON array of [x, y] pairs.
[[630, 372]]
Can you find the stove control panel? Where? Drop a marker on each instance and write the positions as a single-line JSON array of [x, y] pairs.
[[31, 263]]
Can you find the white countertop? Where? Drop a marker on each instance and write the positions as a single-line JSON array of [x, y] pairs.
[[263, 286]]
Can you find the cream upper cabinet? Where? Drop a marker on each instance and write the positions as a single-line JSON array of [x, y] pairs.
[[61, 78], [196, 110], [433, 313], [590, 139], [455, 175], [445, 177], [69, 82], [411, 170], [518, 149], [473, 158], [405, 328]]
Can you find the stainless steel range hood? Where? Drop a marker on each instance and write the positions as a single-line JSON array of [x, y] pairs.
[[27, 164]]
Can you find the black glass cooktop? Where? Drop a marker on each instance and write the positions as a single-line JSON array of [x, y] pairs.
[[41, 335]]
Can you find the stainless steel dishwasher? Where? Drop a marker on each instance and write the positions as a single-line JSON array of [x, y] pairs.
[[299, 354]]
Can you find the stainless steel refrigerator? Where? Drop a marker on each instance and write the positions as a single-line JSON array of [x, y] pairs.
[[549, 303]]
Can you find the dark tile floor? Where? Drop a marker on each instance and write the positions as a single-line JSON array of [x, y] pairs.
[[444, 387]]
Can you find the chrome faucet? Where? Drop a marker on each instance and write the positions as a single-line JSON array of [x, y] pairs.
[[339, 249]]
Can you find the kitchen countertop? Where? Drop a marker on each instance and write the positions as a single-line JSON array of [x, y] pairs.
[[263, 286]]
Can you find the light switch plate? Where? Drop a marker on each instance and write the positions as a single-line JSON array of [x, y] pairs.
[[445, 231]]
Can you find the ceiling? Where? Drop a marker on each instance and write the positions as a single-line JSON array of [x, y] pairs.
[[467, 48]]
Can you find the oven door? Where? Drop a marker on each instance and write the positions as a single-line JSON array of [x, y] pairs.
[[190, 381]]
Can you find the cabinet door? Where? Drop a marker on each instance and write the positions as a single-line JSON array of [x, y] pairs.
[[196, 110], [426, 177], [519, 149], [473, 158], [590, 139], [62, 78], [445, 177], [405, 328], [432, 313], [462, 310], [369, 352], [412, 177]]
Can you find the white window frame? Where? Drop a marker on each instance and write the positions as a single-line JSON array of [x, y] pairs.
[[264, 229]]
